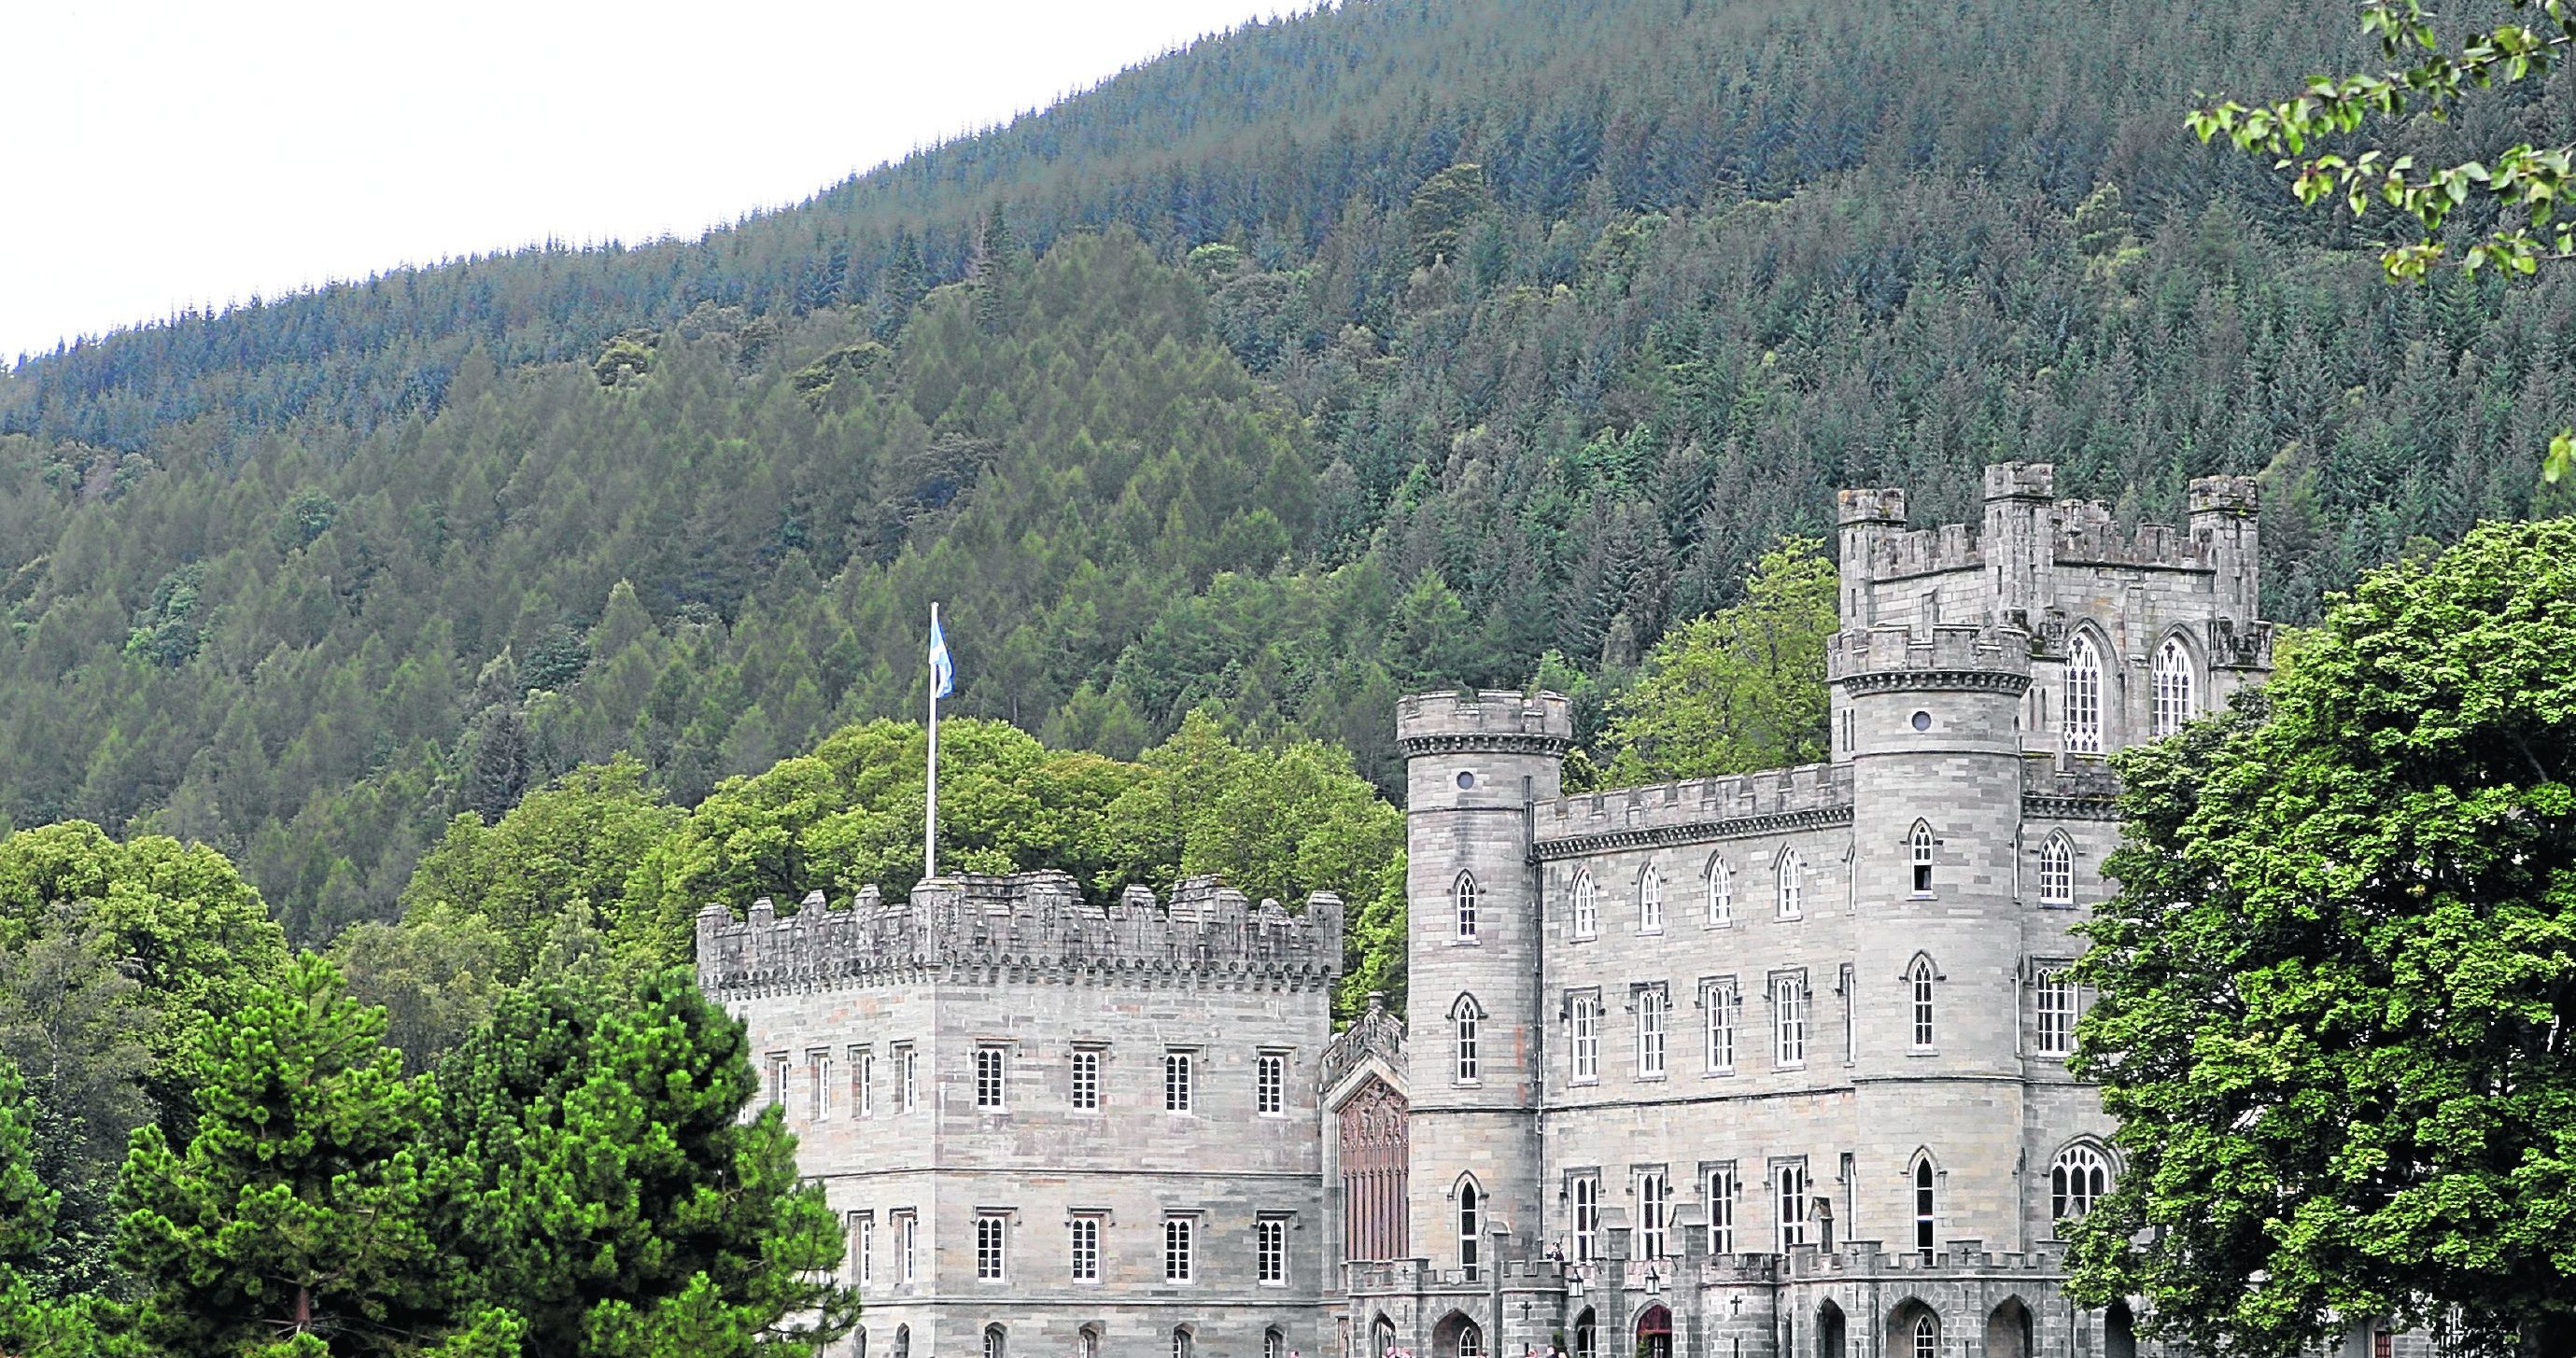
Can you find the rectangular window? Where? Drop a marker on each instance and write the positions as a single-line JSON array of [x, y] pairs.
[[1722, 1193], [1176, 1082], [1789, 1011], [1650, 1033], [1086, 1077], [1718, 1005], [907, 1076], [1270, 1251], [1178, 1261], [778, 1079], [1654, 1209], [992, 1237], [1584, 1018], [992, 1070], [1793, 1206], [863, 1079], [2056, 1013], [818, 1074], [907, 1254], [1587, 1215], [1270, 1085], [863, 1247], [1085, 1240], [1851, 1032]]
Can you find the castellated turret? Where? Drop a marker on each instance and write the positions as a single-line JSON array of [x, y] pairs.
[[1475, 765]]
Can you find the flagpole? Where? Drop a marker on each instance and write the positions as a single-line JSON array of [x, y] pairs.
[[930, 821]]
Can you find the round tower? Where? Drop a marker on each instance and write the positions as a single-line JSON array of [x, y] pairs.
[[1475, 765], [1936, 817]]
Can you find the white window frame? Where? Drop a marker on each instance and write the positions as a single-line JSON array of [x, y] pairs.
[[1082, 1247], [1720, 884], [1921, 980], [1654, 1214], [908, 1077], [907, 1247], [1585, 1189], [862, 1248], [992, 1247], [2059, 1004], [1083, 1092], [1270, 1084], [1583, 1038], [1653, 1006], [778, 1063], [1180, 1082], [1270, 1251], [1790, 1003], [992, 1077], [1462, 1032], [1790, 1179], [2177, 688], [2084, 695], [1650, 901], [2078, 1179], [863, 1082], [1470, 1220], [2057, 869], [1180, 1249], [1462, 904], [1923, 1184], [1791, 869], [1725, 1193], [1918, 854], [1587, 905], [1720, 1004]]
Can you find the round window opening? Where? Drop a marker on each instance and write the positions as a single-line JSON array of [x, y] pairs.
[[1466, 780], [1922, 721]]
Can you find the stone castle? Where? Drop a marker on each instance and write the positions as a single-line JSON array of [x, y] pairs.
[[1743, 1067]]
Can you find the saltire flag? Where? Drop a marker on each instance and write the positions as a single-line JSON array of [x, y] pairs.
[[943, 671]]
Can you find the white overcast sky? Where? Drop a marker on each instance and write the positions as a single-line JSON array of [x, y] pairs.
[[161, 155]]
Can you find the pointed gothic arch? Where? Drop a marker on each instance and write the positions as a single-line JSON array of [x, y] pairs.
[[2086, 692], [1718, 881], [2057, 869], [2176, 697], [1462, 904]]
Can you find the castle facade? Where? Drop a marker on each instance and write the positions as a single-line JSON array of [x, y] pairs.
[[1743, 1067]]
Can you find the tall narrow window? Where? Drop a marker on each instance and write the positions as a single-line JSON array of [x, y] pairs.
[[2083, 696], [1462, 1020], [1270, 1084], [2176, 702], [1719, 1002], [1583, 1020], [1587, 1215], [778, 1079], [2057, 870], [2056, 995], [1587, 905], [1927, 1337], [907, 1251], [818, 1074], [1918, 849], [1467, 1204], [992, 1238], [1650, 1033], [1919, 980], [1793, 883], [1184, 1344], [1789, 1008], [1721, 892], [1273, 1344], [1179, 1259], [1086, 1342], [1084, 1241], [996, 1342], [1471, 1341], [1793, 1206], [1722, 1194], [863, 1247], [992, 1067], [1086, 1078], [2077, 1179], [863, 1081], [1924, 1222], [1176, 1082], [1654, 1210], [907, 1061], [1270, 1251], [1650, 902], [1462, 901]]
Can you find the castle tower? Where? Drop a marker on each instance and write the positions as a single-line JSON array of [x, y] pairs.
[[1474, 765], [1937, 934]]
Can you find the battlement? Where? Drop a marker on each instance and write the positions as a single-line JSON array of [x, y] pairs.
[[1943, 657], [1884, 504], [2021, 481], [1692, 810], [1035, 923], [1495, 719], [2021, 502], [1894, 554], [2232, 495]]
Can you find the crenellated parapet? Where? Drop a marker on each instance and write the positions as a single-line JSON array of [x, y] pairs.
[[1034, 925], [1898, 658], [1695, 810], [2069, 789], [1495, 720]]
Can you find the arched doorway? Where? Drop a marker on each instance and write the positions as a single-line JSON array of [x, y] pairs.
[[1655, 1333], [1587, 1335], [1457, 1337], [1913, 1331], [2119, 1332], [1381, 1337], [1829, 1331], [2008, 1330]]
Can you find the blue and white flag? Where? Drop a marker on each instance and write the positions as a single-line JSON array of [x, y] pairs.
[[943, 671]]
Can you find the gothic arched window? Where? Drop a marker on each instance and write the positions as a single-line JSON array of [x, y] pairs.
[[2083, 696], [1793, 882], [1468, 1202], [1924, 1221], [1918, 981], [1587, 905], [1918, 851], [1721, 892], [1927, 1337], [997, 1342], [1184, 1344], [1650, 902], [2176, 691], [1462, 900], [1462, 1019], [2077, 1179], [2057, 870]]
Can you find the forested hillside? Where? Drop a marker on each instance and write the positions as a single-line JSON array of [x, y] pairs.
[[1400, 345]]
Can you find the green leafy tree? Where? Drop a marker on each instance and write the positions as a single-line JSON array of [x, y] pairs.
[[599, 1174], [295, 1220], [2336, 980], [1742, 688]]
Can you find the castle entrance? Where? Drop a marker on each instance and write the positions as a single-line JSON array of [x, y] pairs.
[[1655, 1333]]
